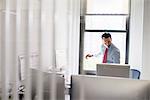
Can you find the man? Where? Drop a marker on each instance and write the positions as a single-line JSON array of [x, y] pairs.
[[111, 53]]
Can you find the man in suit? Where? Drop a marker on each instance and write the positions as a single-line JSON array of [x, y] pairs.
[[111, 54]]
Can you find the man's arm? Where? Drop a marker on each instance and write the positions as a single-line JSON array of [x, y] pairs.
[[95, 55], [116, 57], [91, 55]]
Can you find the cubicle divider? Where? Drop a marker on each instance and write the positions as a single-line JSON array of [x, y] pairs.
[[53, 85], [88, 87]]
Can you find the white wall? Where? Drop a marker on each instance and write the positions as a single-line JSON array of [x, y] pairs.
[[140, 37], [146, 41], [136, 34]]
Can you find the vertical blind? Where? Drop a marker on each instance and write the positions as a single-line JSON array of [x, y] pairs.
[[32, 34]]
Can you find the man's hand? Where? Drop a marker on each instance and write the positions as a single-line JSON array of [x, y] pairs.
[[88, 55], [105, 45]]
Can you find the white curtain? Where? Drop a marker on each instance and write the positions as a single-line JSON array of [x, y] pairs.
[[47, 29], [61, 34]]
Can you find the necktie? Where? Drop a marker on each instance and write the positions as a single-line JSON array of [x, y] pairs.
[[105, 56]]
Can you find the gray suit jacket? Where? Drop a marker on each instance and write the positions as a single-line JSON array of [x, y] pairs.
[[113, 55]]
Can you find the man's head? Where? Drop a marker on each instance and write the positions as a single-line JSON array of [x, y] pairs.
[[106, 37]]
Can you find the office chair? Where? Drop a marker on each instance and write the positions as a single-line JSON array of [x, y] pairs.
[[135, 74]]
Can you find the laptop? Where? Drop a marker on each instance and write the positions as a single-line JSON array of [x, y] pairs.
[[113, 70]]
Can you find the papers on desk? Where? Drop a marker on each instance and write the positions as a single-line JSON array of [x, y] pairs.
[[61, 59], [33, 63]]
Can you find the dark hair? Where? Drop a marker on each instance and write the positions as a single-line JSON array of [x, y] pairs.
[[106, 35]]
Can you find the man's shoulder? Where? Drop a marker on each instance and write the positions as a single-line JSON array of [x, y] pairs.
[[114, 47]]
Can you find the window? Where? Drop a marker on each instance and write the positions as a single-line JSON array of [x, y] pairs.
[[104, 16]]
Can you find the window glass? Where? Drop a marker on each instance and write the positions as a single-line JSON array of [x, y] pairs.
[[105, 22], [102, 15], [107, 6], [92, 42]]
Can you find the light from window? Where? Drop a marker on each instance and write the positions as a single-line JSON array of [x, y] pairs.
[[107, 6], [92, 42], [105, 22]]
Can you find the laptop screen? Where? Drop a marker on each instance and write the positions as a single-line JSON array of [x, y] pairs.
[[113, 70]]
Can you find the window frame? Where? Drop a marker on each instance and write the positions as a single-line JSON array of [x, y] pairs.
[[83, 30]]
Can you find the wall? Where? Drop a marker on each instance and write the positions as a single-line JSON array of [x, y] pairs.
[[136, 34], [146, 41], [140, 37]]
